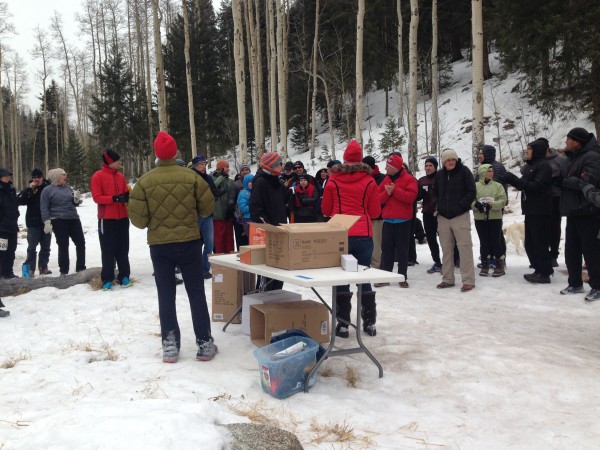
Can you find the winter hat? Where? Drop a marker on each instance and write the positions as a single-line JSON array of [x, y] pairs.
[[432, 160], [109, 156], [222, 164], [369, 161], [5, 172], [353, 153], [539, 147], [333, 163], [299, 164], [245, 167], [449, 154], [289, 165], [165, 146], [395, 161], [488, 152], [37, 173], [198, 160], [580, 135], [54, 175], [270, 162]]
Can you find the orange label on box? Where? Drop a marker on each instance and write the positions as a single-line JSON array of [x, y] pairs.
[[257, 234]]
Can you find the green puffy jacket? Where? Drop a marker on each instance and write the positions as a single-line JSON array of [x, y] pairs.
[[168, 200], [491, 189], [223, 206]]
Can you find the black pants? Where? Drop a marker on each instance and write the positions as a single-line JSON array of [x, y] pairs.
[[65, 229], [554, 225], [430, 224], [394, 243], [35, 236], [489, 232], [240, 237], [188, 256], [581, 237], [7, 256], [537, 244], [114, 245]]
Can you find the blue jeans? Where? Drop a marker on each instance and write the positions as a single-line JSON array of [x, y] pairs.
[[188, 256], [207, 231], [35, 236], [361, 247]]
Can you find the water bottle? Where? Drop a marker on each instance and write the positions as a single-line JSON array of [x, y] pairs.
[[26, 271]]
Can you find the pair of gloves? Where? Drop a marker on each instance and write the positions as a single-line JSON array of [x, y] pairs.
[[121, 198], [482, 207]]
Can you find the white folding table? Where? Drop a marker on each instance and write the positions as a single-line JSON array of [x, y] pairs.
[[314, 278]]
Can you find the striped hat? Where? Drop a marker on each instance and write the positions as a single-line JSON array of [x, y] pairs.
[[271, 162]]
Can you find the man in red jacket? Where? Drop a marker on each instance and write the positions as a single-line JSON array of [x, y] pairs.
[[351, 190], [111, 193], [397, 193]]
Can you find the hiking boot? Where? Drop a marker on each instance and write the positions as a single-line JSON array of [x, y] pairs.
[[537, 278], [341, 331], [555, 262], [9, 276], [499, 269], [45, 271], [436, 268], [343, 309], [178, 280], [170, 349], [206, 350], [208, 276], [381, 284], [107, 286], [411, 263], [368, 312], [126, 282], [467, 288], [370, 330], [485, 269], [593, 296], [444, 285], [403, 284], [572, 290], [4, 313]]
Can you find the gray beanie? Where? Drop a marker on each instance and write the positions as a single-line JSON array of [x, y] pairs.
[[448, 154]]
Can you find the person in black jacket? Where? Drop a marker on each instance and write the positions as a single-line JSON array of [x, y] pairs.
[[583, 221], [30, 196], [453, 193], [268, 202], [9, 213], [536, 204]]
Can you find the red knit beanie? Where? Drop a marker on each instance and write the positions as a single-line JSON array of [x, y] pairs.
[[353, 153], [165, 146], [395, 161], [222, 164]]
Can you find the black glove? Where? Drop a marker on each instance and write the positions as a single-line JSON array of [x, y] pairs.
[[121, 198], [574, 183], [222, 172], [480, 207]]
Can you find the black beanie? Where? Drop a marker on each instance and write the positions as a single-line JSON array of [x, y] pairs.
[[540, 147], [369, 161], [35, 173], [580, 135], [432, 160], [109, 156]]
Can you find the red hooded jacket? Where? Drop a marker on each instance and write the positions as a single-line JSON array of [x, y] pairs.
[[399, 205], [351, 190], [105, 184]]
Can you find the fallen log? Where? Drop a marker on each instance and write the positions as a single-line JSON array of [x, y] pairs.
[[19, 286]]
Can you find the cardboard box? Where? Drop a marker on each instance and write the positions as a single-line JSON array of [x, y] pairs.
[[260, 298], [256, 234], [252, 254], [227, 292], [349, 263], [308, 245], [274, 318]]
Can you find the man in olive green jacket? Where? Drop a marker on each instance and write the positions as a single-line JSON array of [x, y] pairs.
[[168, 200]]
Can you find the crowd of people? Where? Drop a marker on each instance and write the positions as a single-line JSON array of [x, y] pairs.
[[190, 213]]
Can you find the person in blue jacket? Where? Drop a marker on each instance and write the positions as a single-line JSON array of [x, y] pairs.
[[243, 203]]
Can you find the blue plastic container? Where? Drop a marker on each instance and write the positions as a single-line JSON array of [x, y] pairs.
[[282, 376], [25, 269]]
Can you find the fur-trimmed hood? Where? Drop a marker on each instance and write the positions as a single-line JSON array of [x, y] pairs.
[[351, 168]]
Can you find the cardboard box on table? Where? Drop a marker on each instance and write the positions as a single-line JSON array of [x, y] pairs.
[[252, 254], [260, 298], [308, 245], [271, 319], [227, 291]]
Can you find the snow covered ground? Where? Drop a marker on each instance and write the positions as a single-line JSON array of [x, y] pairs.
[[508, 365]]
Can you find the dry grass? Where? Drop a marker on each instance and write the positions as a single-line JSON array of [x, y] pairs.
[[352, 376], [14, 359], [152, 390], [327, 371], [339, 433]]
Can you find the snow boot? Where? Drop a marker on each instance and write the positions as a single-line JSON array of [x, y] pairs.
[[368, 313], [170, 348], [343, 309], [499, 270], [206, 349], [485, 268]]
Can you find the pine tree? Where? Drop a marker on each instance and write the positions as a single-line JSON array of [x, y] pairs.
[[75, 164], [391, 139]]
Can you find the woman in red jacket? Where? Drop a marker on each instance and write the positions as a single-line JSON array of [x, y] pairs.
[[397, 193], [351, 190], [111, 193]]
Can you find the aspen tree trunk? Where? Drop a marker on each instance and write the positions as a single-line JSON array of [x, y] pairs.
[[259, 81], [3, 154], [360, 17], [240, 83], [477, 32], [149, 159], [313, 124], [412, 92], [272, 59], [329, 117], [281, 77], [163, 120], [90, 19], [400, 65], [252, 67], [434, 79], [188, 76]]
